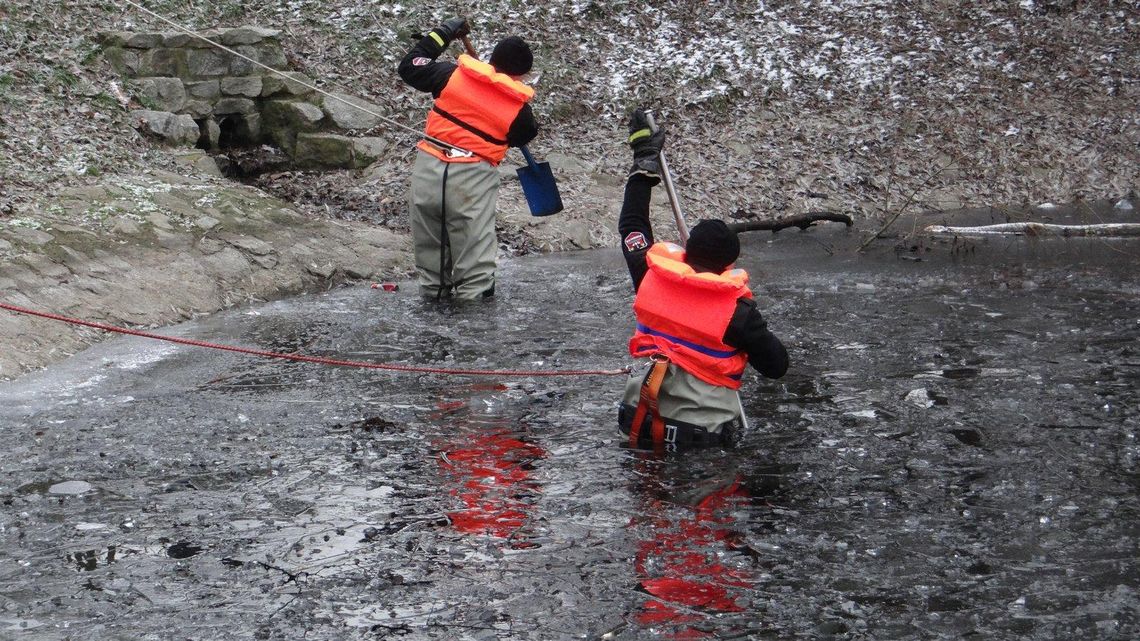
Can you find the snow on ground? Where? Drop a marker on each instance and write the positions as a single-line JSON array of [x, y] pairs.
[[773, 107]]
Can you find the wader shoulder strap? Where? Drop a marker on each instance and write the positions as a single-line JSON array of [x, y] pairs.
[[647, 404]]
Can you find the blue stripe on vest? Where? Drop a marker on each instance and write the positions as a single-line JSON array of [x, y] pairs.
[[715, 353]]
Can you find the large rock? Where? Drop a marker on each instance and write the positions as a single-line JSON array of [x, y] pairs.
[[162, 94], [248, 35], [163, 62], [245, 63], [272, 55], [292, 114], [211, 133], [198, 108], [282, 119], [182, 131], [248, 86], [324, 151], [204, 89], [176, 39], [234, 106], [247, 244], [207, 63], [144, 40], [44, 266], [107, 39], [201, 38], [269, 54], [347, 112], [368, 150], [228, 266], [174, 129], [29, 236], [283, 139], [294, 83], [125, 62]]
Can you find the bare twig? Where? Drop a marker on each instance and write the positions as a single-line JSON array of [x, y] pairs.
[[906, 204], [803, 221]]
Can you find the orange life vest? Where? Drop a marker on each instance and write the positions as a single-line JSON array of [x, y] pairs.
[[683, 315], [474, 111]]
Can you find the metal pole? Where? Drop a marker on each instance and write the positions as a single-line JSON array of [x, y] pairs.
[[678, 217]]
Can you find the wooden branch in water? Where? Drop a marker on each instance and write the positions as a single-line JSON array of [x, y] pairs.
[[803, 221], [1038, 229]]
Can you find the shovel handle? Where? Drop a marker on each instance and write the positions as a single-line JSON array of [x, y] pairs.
[[470, 48], [678, 217], [529, 158]]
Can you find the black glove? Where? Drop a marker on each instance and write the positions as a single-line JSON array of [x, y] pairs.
[[646, 145], [453, 28]]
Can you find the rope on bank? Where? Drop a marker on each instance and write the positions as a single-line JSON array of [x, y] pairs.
[[291, 79], [317, 359]]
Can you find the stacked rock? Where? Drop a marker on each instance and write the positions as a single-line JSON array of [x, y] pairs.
[[194, 93]]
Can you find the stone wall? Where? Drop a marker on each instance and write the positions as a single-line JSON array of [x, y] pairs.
[[193, 93]]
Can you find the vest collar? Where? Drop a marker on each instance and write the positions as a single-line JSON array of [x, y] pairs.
[[484, 72], [668, 260]]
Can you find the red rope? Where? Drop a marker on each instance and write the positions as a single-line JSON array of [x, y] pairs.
[[316, 359]]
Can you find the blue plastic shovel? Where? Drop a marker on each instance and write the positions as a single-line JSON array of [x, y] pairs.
[[539, 187]]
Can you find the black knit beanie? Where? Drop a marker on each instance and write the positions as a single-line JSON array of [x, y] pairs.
[[712, 246], [512, 56]]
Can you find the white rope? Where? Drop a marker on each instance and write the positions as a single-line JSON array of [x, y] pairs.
[[383, 118], [1039, 229]]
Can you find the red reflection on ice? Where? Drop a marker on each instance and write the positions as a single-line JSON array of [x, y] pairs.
[[680, 566], [492, 474]]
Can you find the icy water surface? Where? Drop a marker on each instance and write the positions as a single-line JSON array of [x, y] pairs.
[[952, 455]]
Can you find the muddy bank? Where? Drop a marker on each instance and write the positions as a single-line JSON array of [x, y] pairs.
[[158, 248]]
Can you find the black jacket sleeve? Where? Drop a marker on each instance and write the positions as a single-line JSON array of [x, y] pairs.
[[634, 227], [421, 71], [749, 331], [523, 129]]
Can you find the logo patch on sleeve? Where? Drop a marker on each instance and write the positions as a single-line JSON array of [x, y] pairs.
[[635, 241], [420, 61]]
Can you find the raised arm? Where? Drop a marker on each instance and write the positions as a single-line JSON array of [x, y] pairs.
[[419, 68], [633, 223]]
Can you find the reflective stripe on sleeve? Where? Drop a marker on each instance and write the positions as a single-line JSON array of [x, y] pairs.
[[639, 134]]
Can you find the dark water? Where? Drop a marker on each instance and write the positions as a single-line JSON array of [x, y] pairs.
[[952, 455]]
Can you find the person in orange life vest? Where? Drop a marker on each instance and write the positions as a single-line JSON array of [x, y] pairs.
[[697, 321], [481, 108]]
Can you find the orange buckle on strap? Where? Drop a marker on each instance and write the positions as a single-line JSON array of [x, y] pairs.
[[648, 403]]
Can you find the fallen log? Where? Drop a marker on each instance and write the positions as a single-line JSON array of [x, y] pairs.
[[803, 221], [1103, 230]]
